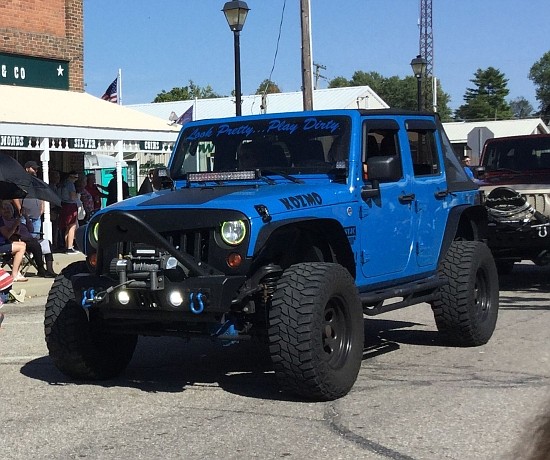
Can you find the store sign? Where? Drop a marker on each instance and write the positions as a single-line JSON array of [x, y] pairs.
[[155, 146], [35, 72], [14, 141], [83, 144]]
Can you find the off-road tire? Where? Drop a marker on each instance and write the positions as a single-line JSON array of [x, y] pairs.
[[467, 310], [316, 331], [77, 344]]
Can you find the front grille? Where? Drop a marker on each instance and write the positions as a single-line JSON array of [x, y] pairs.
[[540, 201], [193, 242]]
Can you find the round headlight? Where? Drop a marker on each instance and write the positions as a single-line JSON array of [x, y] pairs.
[[94, 234], [233, 232]]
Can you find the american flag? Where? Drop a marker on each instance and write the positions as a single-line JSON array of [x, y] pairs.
[[185, 117], [111, 94]]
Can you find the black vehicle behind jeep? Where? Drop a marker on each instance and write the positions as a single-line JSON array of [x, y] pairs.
[[515, 176]]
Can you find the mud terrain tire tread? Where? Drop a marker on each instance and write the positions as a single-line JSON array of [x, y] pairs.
[[316, 331], [467, 310], [77, 348]]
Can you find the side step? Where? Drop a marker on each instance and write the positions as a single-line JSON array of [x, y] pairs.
[[416, 292]]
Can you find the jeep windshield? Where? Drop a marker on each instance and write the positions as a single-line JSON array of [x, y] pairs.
[[287, 146], [518, 154]]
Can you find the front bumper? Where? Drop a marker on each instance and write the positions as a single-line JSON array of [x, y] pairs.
[[523, 241], [163, 261], [198, 296]]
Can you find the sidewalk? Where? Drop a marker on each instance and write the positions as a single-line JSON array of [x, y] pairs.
[[39, 287]]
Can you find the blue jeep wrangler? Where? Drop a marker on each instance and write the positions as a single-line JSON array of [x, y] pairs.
[[288, 228]]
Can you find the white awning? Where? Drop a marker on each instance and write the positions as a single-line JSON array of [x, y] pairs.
[[55, 113], [100, 161]]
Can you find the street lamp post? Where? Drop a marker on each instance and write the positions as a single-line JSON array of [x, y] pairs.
[[235, 13], [418, 65]]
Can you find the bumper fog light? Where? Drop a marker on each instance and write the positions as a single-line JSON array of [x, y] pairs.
[[175, 298], [123, 297]]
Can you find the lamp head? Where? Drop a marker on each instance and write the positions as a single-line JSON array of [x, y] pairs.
[[419, 65], [235, 13]]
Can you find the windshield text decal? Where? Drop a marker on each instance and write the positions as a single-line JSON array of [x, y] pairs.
[[290, 126], [321, 125]]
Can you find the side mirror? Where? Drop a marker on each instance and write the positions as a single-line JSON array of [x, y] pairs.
[[162, 179], [479, 171], [384, 168], [381, 168]]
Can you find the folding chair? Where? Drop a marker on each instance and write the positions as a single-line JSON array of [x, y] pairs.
[[6, 259]]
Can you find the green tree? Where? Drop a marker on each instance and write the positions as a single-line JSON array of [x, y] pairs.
[[185, 93], [400, 93], [269, 87], [521, 107], [540, 76], [339, 82], [486, 101]]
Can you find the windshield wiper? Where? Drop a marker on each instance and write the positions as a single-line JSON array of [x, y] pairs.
[[282, 174]]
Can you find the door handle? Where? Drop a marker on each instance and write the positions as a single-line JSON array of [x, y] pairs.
[[441, 194], [406, 198]]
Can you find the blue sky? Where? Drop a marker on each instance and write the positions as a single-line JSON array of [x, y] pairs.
[[162, 44]]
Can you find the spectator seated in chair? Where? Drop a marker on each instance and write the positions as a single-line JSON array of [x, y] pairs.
[[16, 232], [14, 249]]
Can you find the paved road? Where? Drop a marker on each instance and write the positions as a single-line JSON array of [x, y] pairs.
[[414, 399]]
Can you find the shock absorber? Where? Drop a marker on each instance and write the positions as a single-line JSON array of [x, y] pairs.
[[269, 285]]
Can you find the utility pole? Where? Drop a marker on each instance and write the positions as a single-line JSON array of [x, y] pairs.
[[318, 74], [307, 90]]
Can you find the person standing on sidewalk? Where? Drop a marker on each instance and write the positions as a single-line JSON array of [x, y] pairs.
[[68, 218], [93, 189]]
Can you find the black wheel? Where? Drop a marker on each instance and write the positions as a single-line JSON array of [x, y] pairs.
[[316, 331], [467, 310], [77, 344]]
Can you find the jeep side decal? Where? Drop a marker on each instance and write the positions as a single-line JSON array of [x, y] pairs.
[[351, 233], [302, 201]]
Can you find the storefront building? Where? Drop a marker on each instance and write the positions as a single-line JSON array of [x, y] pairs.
[[44, 114]]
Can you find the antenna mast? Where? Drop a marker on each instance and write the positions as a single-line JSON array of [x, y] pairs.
[[427, 51]]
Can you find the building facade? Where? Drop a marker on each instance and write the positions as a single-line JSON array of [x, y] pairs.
[[46, 116], [44, 30]]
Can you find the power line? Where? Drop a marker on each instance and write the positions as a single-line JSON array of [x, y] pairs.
[[264, 94]]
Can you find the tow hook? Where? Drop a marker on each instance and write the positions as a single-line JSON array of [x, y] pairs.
[[88, 298], [197, 308]]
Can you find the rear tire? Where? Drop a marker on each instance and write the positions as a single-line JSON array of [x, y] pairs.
[[467, 310], [77, 344], [316, 331]]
